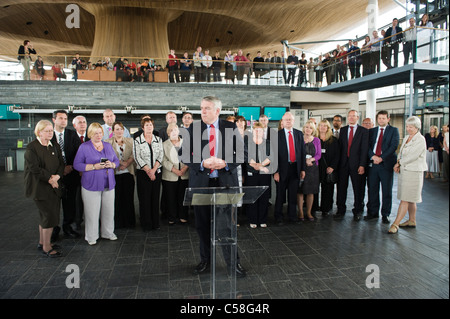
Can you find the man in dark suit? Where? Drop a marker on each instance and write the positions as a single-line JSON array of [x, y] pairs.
[[354, 144], [212, 163], [69, 143], [393, 37], [171, 117], [383, 142], [291, 168]]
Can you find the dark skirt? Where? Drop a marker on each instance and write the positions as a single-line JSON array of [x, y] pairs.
[[49, 210]]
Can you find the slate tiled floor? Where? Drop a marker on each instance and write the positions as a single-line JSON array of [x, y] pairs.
[[325, 259]]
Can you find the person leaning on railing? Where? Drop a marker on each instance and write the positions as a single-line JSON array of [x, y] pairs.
[[24, 57], [365, 56], [410, 44]]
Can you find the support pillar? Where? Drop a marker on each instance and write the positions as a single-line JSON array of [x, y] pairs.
[[371, 101]]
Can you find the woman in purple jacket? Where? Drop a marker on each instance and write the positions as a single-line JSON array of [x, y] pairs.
[[310, 185], [97, 160]]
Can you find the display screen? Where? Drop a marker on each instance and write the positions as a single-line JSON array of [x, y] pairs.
[[250, 112], [274, 113]]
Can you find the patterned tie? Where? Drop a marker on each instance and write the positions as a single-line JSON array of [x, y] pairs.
[[380, 141], [61, 145], [212, 141], [350, 140], [82, 138], [291, 148], [110, 132]]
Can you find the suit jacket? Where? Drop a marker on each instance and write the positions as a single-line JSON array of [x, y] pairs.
[[127, 152], [390, 32], [389, 145], [40, 164], [358, 149], [283, 153], [71, 144], [193, 153], [412, 155]]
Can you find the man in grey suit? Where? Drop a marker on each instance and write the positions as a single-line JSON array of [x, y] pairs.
[[212, 163]]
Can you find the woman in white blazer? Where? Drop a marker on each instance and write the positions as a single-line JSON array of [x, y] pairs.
[[410, 166], [148, 155], [175, 177]]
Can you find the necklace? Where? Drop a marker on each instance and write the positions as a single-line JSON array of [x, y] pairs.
[[99, 147]]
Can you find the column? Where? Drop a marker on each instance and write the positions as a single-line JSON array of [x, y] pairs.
[[372, 15]]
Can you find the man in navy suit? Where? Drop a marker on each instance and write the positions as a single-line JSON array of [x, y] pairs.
[[291, 168], [354, 144], [69, 143], [212, 163], [383, 142]]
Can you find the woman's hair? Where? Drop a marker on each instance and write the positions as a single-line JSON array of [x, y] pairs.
[[414, 121], [312, 125], [241, 118], [257, 125], [231, 118], [436, 132], [41, 125], [117, 123], [145, 120], [421, 20], [92, 128], [170, 127], [280, 125], [329, 132]]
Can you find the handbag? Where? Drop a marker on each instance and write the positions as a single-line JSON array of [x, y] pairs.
[[330, 178]]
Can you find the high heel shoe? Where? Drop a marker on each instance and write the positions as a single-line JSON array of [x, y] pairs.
[[393, 229], [409, 224]]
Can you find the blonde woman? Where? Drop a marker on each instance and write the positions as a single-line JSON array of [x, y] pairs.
[[410, 166], [175, 177], [124, 216], [310, 185], [97, 160], [433, 147], [44, 168]]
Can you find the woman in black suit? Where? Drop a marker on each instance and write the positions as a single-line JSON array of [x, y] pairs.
[[44, 167], [258, 173], [328, 164]]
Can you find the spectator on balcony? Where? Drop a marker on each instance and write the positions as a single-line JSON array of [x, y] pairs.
[[319, 71], [410, 44], [342, 62], [206, 66], [394, 35], [197, 59], [39, 67], [292, 62], [173, 64], [276, 65], [311, 75], [229, 72], [240, 60], [58, 71], [326, 64], [185, 67], [365, 56], [108, 64], [77, 64], [148, 67], [216, 67], [354, 59], [25, 52], [258, 65], [302, 63], [424, 38], [385, 57]]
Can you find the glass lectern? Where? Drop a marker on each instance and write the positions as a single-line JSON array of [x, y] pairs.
[[224, 202]]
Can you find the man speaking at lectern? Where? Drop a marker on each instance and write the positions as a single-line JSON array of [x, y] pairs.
[[211, 152]]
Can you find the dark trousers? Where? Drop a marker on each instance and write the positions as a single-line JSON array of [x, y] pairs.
[[358, 183], [124, 214], [393, 53], [379, 175], [148, 195], [375, 61], [291, 75], [326, 196], [301, 77], [174, 199], [173, 74], [291, 185], [69, 200], [409, 48], [203, 227], [185, 75], [355, 70], [216, 74], [257, 212]]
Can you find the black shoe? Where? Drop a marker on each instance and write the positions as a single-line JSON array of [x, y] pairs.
[[370, 217], [357, 217], [201, 268], [240, 271], [385, 220], [70, 233], [338, 216]]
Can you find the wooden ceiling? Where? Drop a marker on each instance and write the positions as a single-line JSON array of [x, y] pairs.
[[107, 29]]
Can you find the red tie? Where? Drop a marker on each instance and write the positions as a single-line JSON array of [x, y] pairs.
[[350, 140], [291, 148], [82, 138], [212, 141], [380, 140]]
